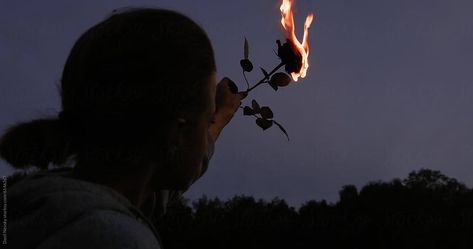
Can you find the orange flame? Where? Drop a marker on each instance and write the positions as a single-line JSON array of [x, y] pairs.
[[287, 22]]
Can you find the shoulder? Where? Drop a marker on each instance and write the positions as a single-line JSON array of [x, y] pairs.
[[103, 229]]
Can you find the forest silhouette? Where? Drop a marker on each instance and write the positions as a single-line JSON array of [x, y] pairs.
[[425, 210]]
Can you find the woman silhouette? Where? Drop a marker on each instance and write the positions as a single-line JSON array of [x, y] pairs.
[[141, 111]]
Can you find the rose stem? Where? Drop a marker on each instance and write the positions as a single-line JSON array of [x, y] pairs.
[[266, 77]]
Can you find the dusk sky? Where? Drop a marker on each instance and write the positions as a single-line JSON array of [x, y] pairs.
[[389, 88]]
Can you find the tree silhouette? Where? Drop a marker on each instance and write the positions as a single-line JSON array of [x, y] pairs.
[[425, 210], [348, 194]]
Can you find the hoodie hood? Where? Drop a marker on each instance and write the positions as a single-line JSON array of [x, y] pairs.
[[44, 202]]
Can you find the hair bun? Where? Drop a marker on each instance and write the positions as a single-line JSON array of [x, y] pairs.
[[35, 143]]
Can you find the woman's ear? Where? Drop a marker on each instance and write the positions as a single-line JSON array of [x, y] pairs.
[[181, 121], [180, 131]]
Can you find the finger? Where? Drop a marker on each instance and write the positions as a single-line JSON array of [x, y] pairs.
[[231, 85], [243, 95]]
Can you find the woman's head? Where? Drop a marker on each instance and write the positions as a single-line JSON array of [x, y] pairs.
[[135, 86]]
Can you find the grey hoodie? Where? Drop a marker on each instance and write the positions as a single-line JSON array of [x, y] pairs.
[[50, 210]]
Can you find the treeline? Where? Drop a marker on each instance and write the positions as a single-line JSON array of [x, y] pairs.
[[425, 210]]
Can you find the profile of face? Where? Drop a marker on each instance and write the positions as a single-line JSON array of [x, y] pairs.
[[192, 145]]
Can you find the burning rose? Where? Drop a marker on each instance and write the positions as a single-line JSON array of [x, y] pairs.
[[297, 54], [294, 57]]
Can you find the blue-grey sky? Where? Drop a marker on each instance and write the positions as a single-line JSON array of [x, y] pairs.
[[389, 88]]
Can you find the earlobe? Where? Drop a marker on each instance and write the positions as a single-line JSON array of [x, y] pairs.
[[182, 126], [181, 130], [181, 121], [175, 135]]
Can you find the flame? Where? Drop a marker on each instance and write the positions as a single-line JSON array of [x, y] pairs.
[[287, 22]]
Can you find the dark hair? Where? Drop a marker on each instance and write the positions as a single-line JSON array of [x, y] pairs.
[[125, 79]]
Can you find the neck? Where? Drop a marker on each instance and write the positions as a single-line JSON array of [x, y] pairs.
[[132, 182]]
